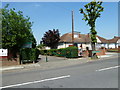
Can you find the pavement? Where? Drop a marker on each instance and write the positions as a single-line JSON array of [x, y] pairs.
[[56, 62]]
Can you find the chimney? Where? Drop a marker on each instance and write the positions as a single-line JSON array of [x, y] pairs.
[[88, 34], [114, 36], [79, 35]]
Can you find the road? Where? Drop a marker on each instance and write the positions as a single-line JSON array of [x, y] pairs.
[[97, 74]]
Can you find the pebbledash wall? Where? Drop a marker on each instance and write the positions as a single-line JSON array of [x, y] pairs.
[[65, 45]]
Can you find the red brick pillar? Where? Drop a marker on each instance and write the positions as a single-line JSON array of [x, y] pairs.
[[118, 49], [104, 51], [86, 53]]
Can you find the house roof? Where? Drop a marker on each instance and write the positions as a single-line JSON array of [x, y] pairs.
[[103, 40], [114, 40], [84, 38]]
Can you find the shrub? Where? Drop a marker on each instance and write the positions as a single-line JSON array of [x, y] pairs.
[[72, 52], [29, 54], [42, 52], [61, 52], [51, 52], [69, 52]]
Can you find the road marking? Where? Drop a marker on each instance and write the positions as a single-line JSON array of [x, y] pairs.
[[50, 79], [108, 68]]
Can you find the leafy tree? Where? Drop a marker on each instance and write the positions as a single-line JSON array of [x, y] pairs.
[[16, 29], [91, 13], [41, 46], [51, 38]]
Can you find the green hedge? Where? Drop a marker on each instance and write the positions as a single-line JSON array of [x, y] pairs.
[[72, 52], [29, 54], [69, 52]]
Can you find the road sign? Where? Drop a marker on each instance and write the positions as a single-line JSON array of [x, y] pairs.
[[3, 52], [27, 45], [96, 51]]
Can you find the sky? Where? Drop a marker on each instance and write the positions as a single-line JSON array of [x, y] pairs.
[[57, 15]]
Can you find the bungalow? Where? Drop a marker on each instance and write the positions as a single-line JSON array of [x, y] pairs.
[[114, 43], [83, 41], [80, 40]]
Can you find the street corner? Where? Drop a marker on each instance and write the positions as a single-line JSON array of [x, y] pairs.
[[11, 68], [31, 65]]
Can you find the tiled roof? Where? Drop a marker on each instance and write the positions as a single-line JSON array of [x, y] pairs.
[[114, 40], [103, 40], [82, 38], [85, 38]]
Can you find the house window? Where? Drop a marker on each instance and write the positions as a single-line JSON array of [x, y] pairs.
[[75, 44], [75, 36]]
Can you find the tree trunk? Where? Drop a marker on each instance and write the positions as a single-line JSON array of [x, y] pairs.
[[54, 46], [93, 46], [94, 56]]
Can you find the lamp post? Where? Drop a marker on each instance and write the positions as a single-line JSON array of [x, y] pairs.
[[72, 27], [46, 59]]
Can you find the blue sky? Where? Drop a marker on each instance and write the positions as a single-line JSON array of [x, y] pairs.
[[57, 15]]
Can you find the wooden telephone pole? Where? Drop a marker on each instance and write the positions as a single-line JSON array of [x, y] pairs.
[[73, 27]]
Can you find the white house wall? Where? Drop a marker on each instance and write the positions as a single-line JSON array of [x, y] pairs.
[[64, 45], [84, 46], [118, 42], [98, 45], [47, 48], [98, 40], [112, 45], [104, 45]]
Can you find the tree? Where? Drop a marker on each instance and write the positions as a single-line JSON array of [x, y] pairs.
[[41, 46], [16, 29], [51, 38], [91, 13], [32, 39]]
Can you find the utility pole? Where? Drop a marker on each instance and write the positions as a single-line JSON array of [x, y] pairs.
[[72, 27]]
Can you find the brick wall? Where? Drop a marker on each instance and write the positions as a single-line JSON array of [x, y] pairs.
[[9, 62], [88, 53], [118, 49], [102, 52]]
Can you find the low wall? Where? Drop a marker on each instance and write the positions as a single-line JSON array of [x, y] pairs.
[[102, 52], [9, 62], [88, 53], [118, 49]]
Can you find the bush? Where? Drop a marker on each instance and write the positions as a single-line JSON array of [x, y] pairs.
[[42, 52], [69, 52], [29, 54], [61, 52], [51, 52], [72, 52]]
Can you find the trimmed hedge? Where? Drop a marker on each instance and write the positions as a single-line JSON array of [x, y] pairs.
[[29, 54], [69, 52], [72, 52]]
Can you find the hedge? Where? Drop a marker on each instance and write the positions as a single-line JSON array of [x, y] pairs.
[[69, 52], [72, 52], [29, 54]]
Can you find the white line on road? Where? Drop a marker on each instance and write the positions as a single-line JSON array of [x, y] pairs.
[[50, 79], [108, 68]]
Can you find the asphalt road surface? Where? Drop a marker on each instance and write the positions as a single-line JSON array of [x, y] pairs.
[[97, 74]]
